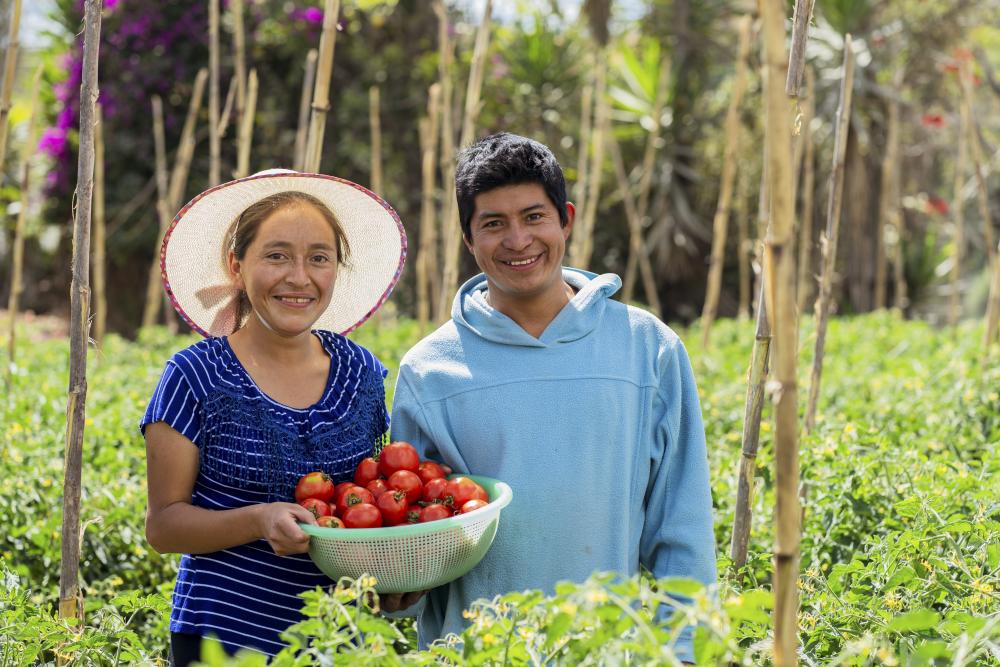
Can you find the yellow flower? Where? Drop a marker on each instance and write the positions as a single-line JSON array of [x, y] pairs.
[[893, 602], [489, 639], [887, 658], [568, 608], [469, 614], [993, 396], [116, 580], [812, 572], [982, 586], [525, 633], [597, 597], [850, 429]]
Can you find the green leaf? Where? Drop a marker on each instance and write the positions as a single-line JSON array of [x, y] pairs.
[[909, 507], [914, 621], [557, 628], [902, 576]]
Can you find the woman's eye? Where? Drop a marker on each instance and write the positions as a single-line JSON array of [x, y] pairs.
[[321, 259]]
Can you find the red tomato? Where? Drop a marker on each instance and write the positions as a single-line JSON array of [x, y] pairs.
[[357, 495], [317, 507], [362, 515], [397, 456], [463, 489], [342, 490], [434, 512], [404, 480], [314, 485], [434, 490], [429, 470], [473, 505], [377, 487], [329, 522], [393, 507], [366, 472]]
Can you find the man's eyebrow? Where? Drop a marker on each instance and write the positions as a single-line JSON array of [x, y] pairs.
[[495, 214]]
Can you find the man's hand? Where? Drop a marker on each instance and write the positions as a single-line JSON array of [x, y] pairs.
[[399, 601]]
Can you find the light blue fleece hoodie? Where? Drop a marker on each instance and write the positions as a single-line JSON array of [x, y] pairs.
[[596, 427]]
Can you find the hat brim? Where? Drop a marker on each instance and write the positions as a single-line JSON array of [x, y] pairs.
[[192, 256]]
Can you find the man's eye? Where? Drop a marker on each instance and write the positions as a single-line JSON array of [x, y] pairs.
[[491, 223], [535, 217], [276, 256]]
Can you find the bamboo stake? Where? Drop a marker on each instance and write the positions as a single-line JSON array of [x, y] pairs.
[[185, 151], [227, 109], [321, 95], [451, 230], [10, 71], [721, 221], [375, 123], [153, 295], [240, 58], [70, 598], [646, 179], [808, 184], [745, 247], [888, 199], [954, 299], [993, 307], [800, 35], [828, 244], [583, 156], [582, 240], [439, 299], [246, 127], [100, 268], [214, 138], [977, 159], [779, 274], [427, 259], [635, 226], [752, 412], [17, 270], [307, 85]]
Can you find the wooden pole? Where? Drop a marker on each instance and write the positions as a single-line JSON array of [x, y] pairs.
[[993, 307], [752, 412], [808, 185], [246, 127], [321, 94], [185, 151], [214, 138], [635, 226], [17, 270], [10, 71], [779, 277], [800, 35], [375, 124], [452, 229], [828, 245], [240, 64], [303, 129], [646, 178], [977, 159], [582, 239], [100, 243], [70, 598], [888, 203], [439, 300], [427, 259], [583, 155], [721, 222], [958, 210], [227, 110], [745, 246], [154, 297]]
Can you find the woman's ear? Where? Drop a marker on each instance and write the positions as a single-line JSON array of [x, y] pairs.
[[235, 270]]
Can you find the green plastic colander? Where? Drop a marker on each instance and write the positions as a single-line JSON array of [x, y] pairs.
[[412, 557]]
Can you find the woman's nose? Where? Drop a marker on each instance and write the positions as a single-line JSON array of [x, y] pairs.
[[298, 273]]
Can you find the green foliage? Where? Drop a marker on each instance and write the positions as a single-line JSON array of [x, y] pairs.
[[900, 559]]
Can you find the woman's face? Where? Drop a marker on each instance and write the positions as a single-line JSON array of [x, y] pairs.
[[289, 270]]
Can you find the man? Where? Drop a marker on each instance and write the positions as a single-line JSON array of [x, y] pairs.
[[586, 407]]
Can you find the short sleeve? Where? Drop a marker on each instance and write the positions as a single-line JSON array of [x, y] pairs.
[[174, 403]]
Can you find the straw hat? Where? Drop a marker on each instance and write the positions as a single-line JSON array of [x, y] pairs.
[[198, 282]]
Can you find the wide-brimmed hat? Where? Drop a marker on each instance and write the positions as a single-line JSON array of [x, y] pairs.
[[192, 257]]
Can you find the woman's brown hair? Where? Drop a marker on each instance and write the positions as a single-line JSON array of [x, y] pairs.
[[244, 230]]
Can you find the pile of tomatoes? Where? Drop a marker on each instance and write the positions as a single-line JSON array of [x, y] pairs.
[[391, 489]]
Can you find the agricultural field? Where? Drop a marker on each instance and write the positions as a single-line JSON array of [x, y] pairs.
[[900, 543]]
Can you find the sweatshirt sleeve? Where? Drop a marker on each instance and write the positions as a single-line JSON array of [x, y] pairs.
[[677, 537], [408, 420]]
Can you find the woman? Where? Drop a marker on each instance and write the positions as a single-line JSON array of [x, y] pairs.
[[269, 395]]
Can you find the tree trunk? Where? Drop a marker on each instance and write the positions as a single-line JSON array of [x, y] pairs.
[[581, 241], [100, 267], [70, 598], [10, 71], [888, 195]]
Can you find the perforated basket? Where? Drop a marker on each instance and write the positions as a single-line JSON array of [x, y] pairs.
[[412, 557]]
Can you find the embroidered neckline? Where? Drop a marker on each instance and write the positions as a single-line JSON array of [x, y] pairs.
[[330, 375]]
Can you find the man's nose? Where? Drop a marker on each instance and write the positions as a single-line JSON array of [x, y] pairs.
[[518, 236]]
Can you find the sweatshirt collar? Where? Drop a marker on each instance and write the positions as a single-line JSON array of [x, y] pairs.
[[576, 319]]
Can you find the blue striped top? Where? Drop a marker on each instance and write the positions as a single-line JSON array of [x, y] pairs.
[[253, 449]]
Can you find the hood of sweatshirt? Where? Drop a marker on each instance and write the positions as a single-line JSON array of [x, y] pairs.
[[576, 320]]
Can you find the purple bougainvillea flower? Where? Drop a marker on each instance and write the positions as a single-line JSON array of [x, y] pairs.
[[53, 142], [110, 4]]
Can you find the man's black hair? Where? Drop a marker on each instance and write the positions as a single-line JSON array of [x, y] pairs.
[[506, 159]]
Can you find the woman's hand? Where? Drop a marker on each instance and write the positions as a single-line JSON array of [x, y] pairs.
[[399, 601], [278, 524]]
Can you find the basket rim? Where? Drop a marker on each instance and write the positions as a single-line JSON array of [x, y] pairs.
[[503, 497]]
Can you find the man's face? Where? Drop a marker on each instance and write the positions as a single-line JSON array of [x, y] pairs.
[[519, 243]]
